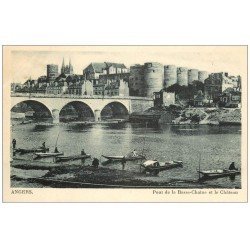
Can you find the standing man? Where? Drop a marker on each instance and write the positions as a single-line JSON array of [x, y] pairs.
[[123, 163], [14, 143]]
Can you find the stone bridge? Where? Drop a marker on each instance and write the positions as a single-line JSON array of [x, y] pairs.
[[55, 103]]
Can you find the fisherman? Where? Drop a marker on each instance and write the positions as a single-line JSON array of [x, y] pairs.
[[134, 153], [56, 150], [14, 143], [83, 152], [95, 163], [123, 163], [232, 166]]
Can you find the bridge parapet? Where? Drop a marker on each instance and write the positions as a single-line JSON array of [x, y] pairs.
[[39, 95]]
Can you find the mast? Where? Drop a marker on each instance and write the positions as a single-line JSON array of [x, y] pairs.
[[63, 67], [57, 139], [199, 165]]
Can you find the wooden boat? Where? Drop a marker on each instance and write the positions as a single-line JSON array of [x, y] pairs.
[[229, 123], [71, 158], [218, 173], [26, 122], [48, 154], [154, 167], [31, 150], [127, 157]]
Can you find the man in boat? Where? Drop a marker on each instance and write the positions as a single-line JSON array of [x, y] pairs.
[[83, 152], [95, 163], [14, 143], [232, 166], [134, 153], [56, 150], [123, 163]]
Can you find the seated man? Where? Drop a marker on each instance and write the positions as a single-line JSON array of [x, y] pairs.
[[95, 163], [56, 150], [83, 152], [134, 153], [232, 166]]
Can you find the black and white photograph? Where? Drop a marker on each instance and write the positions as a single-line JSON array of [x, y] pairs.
[[126, 117]]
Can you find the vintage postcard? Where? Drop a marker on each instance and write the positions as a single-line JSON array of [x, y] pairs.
[[125, 123]]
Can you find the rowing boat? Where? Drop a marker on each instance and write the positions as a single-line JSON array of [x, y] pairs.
[[218, 173], [126, 157], [31, 150], [71, 158], [154, 167], [49, 154]]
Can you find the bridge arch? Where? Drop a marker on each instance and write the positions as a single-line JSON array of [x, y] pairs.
[[114, 110], [76, 110], [32, 108]]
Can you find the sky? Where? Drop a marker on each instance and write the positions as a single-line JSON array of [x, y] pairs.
[[31, 61]]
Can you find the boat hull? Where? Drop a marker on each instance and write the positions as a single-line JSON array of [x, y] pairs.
[[218, 173], [45, 155], [27, 151], [162, 167], [71, 158], [127, 158]]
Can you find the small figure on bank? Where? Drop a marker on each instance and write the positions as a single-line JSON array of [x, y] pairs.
[[232, 166], [56, 150], [83, 152], [95, 163], [43, 146], [14, 143], [123, 163]]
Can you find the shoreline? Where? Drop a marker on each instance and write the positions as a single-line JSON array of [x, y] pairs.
[[79, 176]]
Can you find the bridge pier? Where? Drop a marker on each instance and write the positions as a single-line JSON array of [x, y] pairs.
[[55, 115], [97, 115]]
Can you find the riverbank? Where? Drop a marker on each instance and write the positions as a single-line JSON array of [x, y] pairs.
[[210, 116], [70, 175], [89, 177], [178, 115]]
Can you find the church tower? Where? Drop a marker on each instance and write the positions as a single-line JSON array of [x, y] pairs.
[[67, 69], [71, 71], [63, 67]]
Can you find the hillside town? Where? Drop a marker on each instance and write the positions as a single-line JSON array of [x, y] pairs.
[[167, 84]]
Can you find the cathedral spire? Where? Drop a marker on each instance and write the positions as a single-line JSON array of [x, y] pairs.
[[63, 67], [70, 66]]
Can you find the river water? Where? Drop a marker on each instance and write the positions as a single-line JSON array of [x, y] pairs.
[[216, 146]]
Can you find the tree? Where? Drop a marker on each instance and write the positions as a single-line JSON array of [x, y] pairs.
[[180, 91]]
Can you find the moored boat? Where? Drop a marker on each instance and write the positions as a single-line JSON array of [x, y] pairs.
[[154, 167], [48, 154], [71, 158], [126, 157], [31, 150], [218, 173]]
